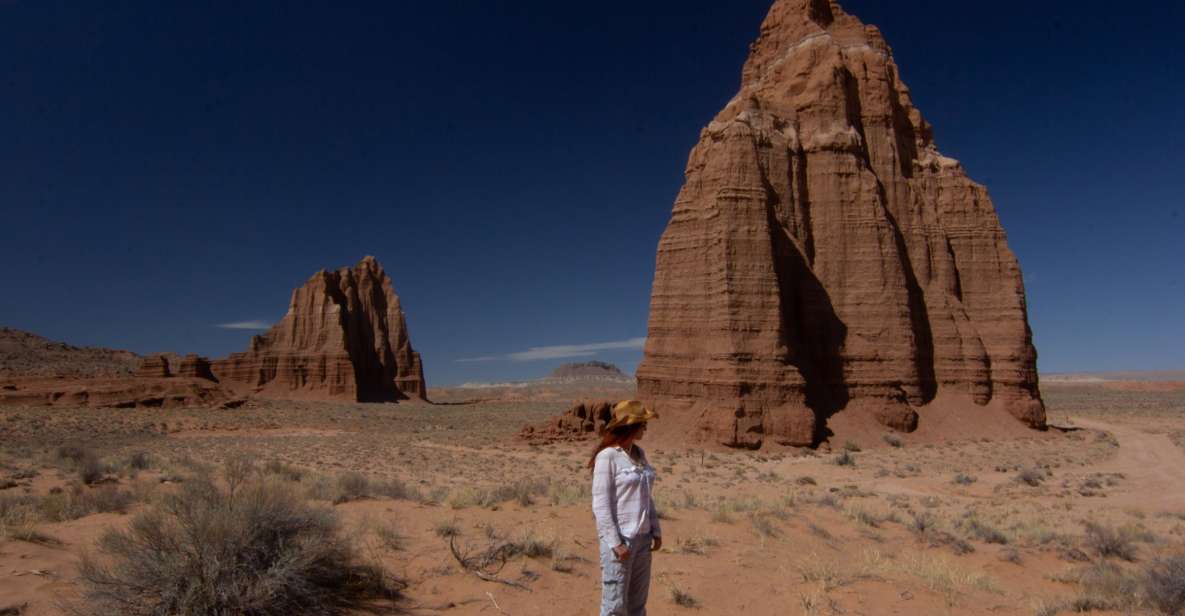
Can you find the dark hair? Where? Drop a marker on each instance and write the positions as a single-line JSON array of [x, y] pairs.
[[613, 438]]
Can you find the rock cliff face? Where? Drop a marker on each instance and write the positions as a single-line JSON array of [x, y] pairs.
[[154, 366], [344, 338], [195, 367], [823, 256]]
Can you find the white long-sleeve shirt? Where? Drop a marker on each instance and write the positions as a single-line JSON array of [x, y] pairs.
[[622, 501]]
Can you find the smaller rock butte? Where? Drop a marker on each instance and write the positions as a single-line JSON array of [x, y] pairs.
[[344, 338]]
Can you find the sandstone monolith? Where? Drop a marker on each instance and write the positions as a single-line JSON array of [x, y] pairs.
[[344, 338], [823, 256]]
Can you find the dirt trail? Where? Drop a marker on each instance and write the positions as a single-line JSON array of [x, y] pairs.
[[1154, 468]]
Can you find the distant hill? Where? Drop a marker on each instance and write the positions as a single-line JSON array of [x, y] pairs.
[[587, 370], [1126, 375], [26, 354]]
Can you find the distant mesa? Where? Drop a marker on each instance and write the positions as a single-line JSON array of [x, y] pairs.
[[587, 370], [824, 260], [344, 338]]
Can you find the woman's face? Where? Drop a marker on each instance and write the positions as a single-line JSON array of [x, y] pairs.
[[641, 432]]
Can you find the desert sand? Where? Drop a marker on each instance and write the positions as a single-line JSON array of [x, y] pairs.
[[901, 525]]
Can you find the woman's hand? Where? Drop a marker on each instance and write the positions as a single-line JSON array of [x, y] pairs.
[[657, 545], [622, 552]]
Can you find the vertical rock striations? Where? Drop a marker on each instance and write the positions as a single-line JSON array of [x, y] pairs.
[[824, 256], [344, 337]]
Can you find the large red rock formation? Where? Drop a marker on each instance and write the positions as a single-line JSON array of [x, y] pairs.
[[344, 338], [824, 256]]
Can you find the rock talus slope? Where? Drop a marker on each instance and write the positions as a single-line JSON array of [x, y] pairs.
[[344, 338], [823, 256]]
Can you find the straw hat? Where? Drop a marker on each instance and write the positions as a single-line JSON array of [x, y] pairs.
[[628, 413]]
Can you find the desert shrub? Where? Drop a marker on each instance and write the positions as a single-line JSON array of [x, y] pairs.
[[828, 500], [764, 524], [963, 479], [984, 532], [1109, 542], [1164, 584], [389, 536], [446, 529], [851, 446], [696, 544], [81, 501], [1105, 586], [352, 486], [522, 492], [722, 515], [395, 489], [893, 440], [91, 470], [237, 470], [285, 471], [18, 519], [1031, 476], [806, 481], [561, 493], [926, 528], [261, 551], [682, 598], [532, 546], [73, 453], [139, 461], [845, 458]]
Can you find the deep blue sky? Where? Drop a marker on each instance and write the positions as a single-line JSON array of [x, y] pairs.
[[167, 166]]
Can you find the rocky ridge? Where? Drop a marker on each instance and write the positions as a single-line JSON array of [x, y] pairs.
[[24, 354], [823, 256]]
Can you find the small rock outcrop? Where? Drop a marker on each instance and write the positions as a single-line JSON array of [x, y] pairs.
[[344, 338], [823, 256], [155, 367], [581, 420], [195, 367]]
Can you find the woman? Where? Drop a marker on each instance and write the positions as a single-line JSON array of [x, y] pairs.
[[627, 522]]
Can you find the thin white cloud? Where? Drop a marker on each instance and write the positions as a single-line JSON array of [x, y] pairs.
[[561, 351], [245, 325]]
